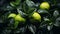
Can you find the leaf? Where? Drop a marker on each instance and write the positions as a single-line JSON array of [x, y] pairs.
[[49, 27], [43, 25], [42, 11], [56, 13], [11, 23], [15, 4], [21, 13], [8, 8], [46, 19], [58, 6], [32, 29], [21, 30], [57, 22], [26, 9], [1, 20], [6, 31], [31, 10], [30, 3], [37, 5]]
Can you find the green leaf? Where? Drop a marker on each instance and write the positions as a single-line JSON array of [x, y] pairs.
[[43, 24], [26, 9], [16, 3], [46, 19], [32, 29], [21, 30], [49, 27], [56, 13], [42, 11], [21, 13], [57, 22], [30, 3], [1, 20], [11, 22]]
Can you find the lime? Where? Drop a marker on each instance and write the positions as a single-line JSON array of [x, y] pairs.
[[36, 16], [19, 18], [44, 5], [12, 15]]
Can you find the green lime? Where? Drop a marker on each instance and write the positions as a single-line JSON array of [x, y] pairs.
[[19, 18], [12, 15], [45, 5], [36, 16]]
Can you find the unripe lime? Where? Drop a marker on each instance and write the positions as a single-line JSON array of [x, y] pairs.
[[44, 5], [12, 15], [19, 18], [36, 16]]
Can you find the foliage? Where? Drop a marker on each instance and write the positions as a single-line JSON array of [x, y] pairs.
[[25, 24]]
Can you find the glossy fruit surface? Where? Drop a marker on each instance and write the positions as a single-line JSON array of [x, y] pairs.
[[44, 5], [11, 15], [36, 16], [19, 18]]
